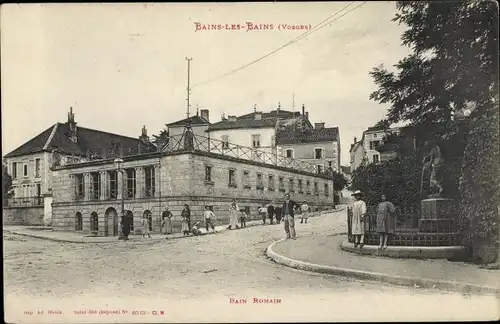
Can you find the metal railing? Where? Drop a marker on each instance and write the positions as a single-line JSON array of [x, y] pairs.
[[409, 229], [24, 202]]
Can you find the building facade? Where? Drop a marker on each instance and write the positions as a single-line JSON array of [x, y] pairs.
[[319, 146], [30, 164], [88, 195], [257, 129], [199, 124], [357, 154]]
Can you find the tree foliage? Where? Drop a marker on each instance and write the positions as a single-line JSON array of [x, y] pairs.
[[339, 181], [161, 139], [7, 183], [453, 68]]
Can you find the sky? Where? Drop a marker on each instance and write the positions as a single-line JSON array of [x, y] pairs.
[[122, 66]]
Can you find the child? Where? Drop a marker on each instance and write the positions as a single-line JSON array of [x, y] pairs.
[[195, 229], [185, 225], [243, 218], [209, 219]]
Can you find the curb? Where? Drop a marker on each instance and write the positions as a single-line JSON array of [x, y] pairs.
[[381, 277]]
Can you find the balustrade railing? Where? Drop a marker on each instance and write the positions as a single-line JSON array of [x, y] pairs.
[[24, 202]]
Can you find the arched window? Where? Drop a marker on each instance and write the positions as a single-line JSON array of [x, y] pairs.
[[94, 222], [78, 222]]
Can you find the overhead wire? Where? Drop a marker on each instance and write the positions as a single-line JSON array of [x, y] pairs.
[[317, 27]]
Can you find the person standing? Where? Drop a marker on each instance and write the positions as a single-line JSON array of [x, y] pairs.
[[263, 212], [234, 212], [125, 226], [305, 212], [385, 221], [277, 213], [145, 226], [184, 226], [358, 219], [166, 217], [288, 214], [186, 212], [270, 212], [209, 218], [243, 218]]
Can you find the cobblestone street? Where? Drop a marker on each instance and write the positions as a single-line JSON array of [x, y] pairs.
[[199, 271]]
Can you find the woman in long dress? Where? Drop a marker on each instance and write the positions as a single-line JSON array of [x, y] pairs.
[[385, 221], [186, 213], [167, 221], [145, 227], [234, 213], [358, 220]]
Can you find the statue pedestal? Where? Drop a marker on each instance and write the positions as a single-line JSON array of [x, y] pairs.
[[438, 215]]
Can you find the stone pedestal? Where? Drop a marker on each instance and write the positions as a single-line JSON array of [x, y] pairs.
[[47, 209], [438, 215]]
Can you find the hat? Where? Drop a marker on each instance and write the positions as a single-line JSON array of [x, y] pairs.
[[357, 193]]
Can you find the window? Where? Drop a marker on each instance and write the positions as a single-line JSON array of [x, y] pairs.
[[37, 168], [80, 186], [319, 169], [270, 184], [113, 184], [96, 185], [256, 140], [375, 135], [289, 153], [78, 222], [327, 190], [25, 170], [308, 187], [232, 178], [300, 186], [329, 164], [149, 173], [374, 145], [208, 173], [225, 141], [14, 170], [246, 179], [290, 184], [316, 190], [281, 181], [318, 153], [375, 158], [130, 188], [94, 222], [260, 184]]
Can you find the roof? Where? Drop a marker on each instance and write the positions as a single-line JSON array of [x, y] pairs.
[[355, 145], [88, 141], [267, 120], [309, 136], [195, 120]]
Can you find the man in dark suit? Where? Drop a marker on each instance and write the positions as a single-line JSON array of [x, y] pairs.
[[288, 214]]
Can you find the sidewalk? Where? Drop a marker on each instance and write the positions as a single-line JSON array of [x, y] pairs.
[[322, 254], [74, 237]]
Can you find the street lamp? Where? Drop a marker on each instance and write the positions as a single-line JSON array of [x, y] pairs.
[[119, 168]]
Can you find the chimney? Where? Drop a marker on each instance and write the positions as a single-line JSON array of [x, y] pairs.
[[223, 116], [205, 114], [279, 106], [355, 140], [144, 135], [231, 118], [72, 126], [307, 115], [303, 110], [319, 125], [254, 108]]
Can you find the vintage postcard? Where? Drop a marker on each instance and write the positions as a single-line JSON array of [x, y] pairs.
[[250, 162]]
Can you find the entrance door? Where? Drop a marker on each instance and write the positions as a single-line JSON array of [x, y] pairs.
[[39, 193]]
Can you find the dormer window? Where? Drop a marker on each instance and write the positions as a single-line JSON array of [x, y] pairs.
[[256, 141], [225, 141], [289, 153], [318, 153]]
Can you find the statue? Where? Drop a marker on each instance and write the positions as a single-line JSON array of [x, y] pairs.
[[432, 169]]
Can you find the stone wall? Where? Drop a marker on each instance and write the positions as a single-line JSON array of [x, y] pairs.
[[23, 216], [180, 179]]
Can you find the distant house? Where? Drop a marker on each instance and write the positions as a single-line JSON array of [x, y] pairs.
[[199, 124], [320, 146], [30, 164], [257, 129], [357, 154]]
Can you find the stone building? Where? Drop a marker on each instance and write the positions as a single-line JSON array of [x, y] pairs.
[[199, 124], [257, 129], [319, 146], [88, 195], [29, 165], [357, 154]]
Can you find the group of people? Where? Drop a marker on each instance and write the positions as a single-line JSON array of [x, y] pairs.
[[285, 212], [384, 223]]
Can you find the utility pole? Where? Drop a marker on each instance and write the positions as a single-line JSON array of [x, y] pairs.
[[188, 85], [293, 101]]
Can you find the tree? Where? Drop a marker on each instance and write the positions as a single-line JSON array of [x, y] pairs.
[[7, 183], [161, 139], [339, 181]]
